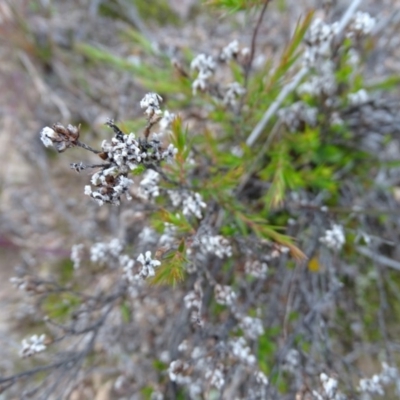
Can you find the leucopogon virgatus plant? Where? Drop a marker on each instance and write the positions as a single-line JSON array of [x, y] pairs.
[[240, 275]]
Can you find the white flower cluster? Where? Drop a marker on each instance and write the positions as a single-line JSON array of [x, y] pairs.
[[375, 385], [148, 187], [193, 302], [297, 114], [361, 25], [169, 234], [217, 245], [261, 379], [234, 91], [256, 268], [166, 120], [230, 51], [334, 238], [35, 344], [179, 372], [252, 327], [191, 202], [240, 350], [104, 253], [324, 83], [216, 377], [318, 39], [59, 137], [358, 98], [291, 361], [151, 104], [192, 205], [123, 153], [224, 295], [77, 254], [111, 187], [329, 387], [205, 65], [146, 269]]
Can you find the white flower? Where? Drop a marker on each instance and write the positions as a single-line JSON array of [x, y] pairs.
[[151, 102], [233, 92], [178, 371], [148, 264], [217, 245], [241, 350], [230, 51], [334, 238], [358, 98], [224, 295], [148, 188], [216, 377], [256, 268], [252, 327], [193, 204], [261, 378], [33, 345], [166, 120], [106, 252], [329, 384], [362, 24], [203, 63], [47, 135]]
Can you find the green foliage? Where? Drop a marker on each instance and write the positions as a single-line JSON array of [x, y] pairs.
[[172, 271], [234, 5], [59, 306]]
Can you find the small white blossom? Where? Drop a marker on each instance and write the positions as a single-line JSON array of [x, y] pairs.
[[230, 51], [358, 98], [202, 62], [252, 327], [224, 295], [241, 350], [216, 377], [192, 205], [47, 135], [148, 264], [166, 120], [151, 104], [205, 65], [106, 252], [176, 197], [375, 384], [35, 344], [148, 188], [233, 91], [329, 384], [261, 379], [256, 268], [318, 39], [334, 238], [217, 245], [178, 372], [362, 24]]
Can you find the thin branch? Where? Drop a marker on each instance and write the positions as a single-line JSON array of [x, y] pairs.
[[253, 43], [379, 258]]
